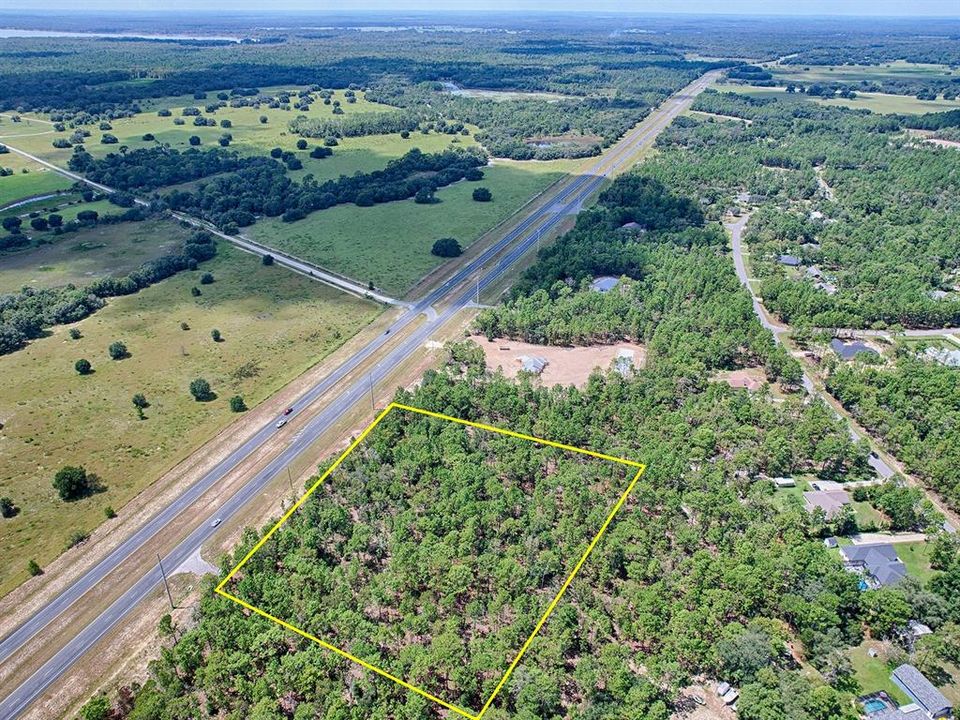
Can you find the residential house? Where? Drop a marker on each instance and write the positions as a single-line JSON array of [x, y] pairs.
[[950, 358], [623, 362], [790, 260], [830, 501], [743, 379], [878, 563], [922, 692], [917, 629]]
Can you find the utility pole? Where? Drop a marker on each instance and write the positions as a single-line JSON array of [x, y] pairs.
[[373, 405], [165, 584], [290, 479]]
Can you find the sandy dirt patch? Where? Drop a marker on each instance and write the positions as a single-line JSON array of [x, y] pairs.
[[687, 706], [565, 365]]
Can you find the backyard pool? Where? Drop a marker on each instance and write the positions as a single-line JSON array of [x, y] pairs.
[[874, 705]]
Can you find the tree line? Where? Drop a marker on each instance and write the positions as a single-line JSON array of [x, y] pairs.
[[27, 314]]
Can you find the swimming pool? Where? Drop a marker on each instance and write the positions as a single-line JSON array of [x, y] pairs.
[[874, 705]]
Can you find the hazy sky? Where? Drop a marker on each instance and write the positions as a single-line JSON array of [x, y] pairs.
[[788, 7]]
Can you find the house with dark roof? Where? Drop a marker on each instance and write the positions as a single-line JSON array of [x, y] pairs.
[[879, 563], [922, 692]]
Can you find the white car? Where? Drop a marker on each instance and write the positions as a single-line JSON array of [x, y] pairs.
[[215, 522], [281, 422]]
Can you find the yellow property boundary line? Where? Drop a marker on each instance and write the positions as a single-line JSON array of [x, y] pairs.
[[543, 618]]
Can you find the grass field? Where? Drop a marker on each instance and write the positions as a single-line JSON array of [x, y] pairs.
[[916, 556], [856, 73], [275, 325], [84, 256], [867, 513], [389, 244], [250, 136], [900, 104], [43, 207], [876, 102], [38, 180], [873, 673]]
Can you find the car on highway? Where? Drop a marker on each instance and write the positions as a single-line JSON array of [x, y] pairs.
[[281, 422], [288, 411], [215, 522]]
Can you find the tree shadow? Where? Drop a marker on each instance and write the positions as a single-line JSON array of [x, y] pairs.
[[95, 486]]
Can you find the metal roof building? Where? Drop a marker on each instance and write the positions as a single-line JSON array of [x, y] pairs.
[[604, 283]]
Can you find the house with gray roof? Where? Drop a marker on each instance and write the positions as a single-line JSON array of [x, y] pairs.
[[922, 692], [789, 260], [604, 283], [830, 501], [879, 563]]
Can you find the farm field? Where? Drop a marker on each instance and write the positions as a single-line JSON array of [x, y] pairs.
[[389, 244], [856, 73], [882, 103], [275, 325], [81, 257]]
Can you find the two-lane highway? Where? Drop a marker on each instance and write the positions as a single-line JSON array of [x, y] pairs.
[[451, 297]]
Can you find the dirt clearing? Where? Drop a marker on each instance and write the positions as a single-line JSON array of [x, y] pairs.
[[564, 365]]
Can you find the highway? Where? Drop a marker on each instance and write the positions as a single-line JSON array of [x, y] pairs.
[[451, 297]]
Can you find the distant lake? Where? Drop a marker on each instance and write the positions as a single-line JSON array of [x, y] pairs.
[[18, 33]]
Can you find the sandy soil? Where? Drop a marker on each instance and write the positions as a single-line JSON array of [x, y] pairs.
[[713, 709], [565, 365], [943, 143]]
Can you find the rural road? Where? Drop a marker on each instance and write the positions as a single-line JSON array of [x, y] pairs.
[[875, 460], [304, 268], [487, 268]]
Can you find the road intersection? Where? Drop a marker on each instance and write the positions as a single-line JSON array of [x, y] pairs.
[[440, 306]]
